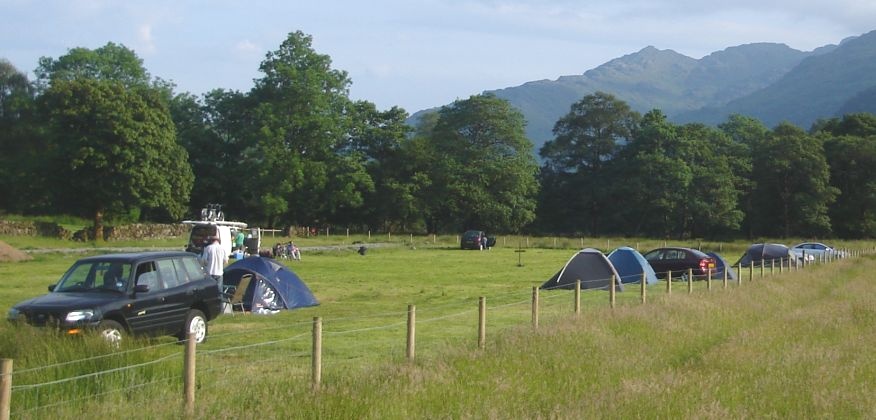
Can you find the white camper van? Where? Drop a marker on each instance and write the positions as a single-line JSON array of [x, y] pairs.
[[212, 223]]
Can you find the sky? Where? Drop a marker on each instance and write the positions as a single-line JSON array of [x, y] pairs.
[[415, 54]]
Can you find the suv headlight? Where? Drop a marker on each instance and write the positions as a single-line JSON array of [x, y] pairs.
[[80, 315], [13, 314]]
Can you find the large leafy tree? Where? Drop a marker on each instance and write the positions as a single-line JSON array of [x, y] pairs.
[[575, 176], [711, 202], [111, 62], [482, 172], [652, 179], [115, 143], [296, 146], [21, 146], [209, 129], [380, 136], [746, 133], [850, 149], [793, 191]]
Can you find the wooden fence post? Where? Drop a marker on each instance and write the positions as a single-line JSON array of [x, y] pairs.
[[189, 374], [577, 297], [644, 284], [5, 388], [534, 307], [726, 270], [482, 322], [690, 280], [316, 355], [782, 265], [669, 282], [612, 293], [412, 321], [772, 266], [762, 268], [709, 279]]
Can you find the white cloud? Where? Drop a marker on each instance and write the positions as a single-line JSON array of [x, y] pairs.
[[145, 41], [247, 47]]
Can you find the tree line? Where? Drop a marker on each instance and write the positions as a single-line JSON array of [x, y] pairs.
[[95, 135]]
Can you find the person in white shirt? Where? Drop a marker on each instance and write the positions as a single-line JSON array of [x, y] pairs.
[[214, 258]]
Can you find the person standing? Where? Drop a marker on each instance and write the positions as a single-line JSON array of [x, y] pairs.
[[214, 258], [238, 241]]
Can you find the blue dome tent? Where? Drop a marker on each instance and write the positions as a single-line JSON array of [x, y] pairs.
[[273, 287], [720, 266], [630, 265]]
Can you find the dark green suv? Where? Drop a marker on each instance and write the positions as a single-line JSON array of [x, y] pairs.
[[150, 293]]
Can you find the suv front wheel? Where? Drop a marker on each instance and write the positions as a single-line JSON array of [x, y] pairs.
[[196, 323], [112, 332]]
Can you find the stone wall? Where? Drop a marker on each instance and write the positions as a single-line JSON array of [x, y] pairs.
[[53, 230], [110, 233], [145, 231]]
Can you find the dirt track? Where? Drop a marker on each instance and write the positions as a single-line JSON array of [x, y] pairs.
[[146, 249]]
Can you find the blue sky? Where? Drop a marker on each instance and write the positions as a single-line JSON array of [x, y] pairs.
[[414, 54]]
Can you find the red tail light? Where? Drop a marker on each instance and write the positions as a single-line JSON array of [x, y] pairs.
[[706, 264]]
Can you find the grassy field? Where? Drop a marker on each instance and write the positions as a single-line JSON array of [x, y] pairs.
[[792, 345]]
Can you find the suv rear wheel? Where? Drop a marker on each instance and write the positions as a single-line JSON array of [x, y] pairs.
[[196, 323]]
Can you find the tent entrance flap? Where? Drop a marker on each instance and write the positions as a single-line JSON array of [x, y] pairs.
[[274, 286]]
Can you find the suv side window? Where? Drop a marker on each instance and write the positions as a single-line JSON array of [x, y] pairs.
[[194, 269], [147, 276], [168, 273]]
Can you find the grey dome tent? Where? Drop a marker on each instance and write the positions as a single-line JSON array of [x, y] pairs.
[[588, 265], [630, 265], [757, 254], [721, 265], [274, 286]]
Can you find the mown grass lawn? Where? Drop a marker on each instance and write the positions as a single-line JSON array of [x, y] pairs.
[[791, 345]]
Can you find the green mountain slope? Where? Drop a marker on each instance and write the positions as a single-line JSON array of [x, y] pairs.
[[653, 78], [821, 86]]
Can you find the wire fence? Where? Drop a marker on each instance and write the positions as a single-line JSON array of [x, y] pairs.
[[159, 367]]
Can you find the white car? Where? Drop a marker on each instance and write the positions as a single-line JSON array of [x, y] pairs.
[[815, 250]]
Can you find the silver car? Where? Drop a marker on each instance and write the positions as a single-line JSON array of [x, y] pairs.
[[815, 250]]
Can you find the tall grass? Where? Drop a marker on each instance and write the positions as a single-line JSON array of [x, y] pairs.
[[791, 345]]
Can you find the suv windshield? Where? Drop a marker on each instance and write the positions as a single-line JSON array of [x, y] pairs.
[[95, 276]]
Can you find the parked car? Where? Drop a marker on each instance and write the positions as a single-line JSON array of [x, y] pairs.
[[679, 260], [150, 293], [473, 239], [763, 254], [814, 250]]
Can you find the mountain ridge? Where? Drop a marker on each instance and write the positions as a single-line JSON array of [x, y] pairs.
[[769, 81]]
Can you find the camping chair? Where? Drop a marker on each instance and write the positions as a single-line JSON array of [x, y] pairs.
[[234, 294]]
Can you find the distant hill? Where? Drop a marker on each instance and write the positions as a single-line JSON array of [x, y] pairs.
[[768, 81], [822, 86], [653, 78]]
